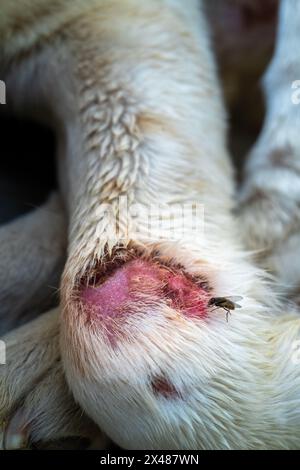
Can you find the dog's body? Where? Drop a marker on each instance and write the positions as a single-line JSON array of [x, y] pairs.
[[132, 90]]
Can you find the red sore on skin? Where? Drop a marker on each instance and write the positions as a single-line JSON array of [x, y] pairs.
[[141, 280], [161, 386], [186, 296]]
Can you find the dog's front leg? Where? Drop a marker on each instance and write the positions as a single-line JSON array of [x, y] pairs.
[[270, 196], [32, 255], [147, 126]]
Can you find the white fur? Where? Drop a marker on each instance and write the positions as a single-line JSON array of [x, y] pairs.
[[270, 196], [139, 112]]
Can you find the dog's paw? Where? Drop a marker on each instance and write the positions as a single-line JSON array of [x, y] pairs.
[[36, 407]]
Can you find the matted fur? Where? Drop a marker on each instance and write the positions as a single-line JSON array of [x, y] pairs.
[[136, 99]]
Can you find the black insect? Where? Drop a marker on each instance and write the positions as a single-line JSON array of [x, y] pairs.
[[227, 303]]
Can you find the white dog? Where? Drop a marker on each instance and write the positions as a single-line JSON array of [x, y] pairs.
[[131, 89]]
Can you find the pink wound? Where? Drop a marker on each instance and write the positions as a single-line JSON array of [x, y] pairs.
[[144, 281]]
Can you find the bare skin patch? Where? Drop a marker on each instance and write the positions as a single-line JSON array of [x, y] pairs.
[[126, 285]]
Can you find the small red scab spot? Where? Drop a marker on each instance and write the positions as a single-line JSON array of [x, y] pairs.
[[163, 387]]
